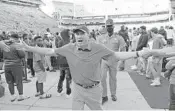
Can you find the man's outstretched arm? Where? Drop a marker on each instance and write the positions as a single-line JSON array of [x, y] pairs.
[[41, 50], [165, 52], [126, 55]]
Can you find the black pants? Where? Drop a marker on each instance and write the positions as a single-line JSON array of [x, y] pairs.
[[30, 65], [64, 72], [172, 97], [164, 64], [14, 75], [53, 61]]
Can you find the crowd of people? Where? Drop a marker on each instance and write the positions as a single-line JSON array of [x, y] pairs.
[[86, 58]]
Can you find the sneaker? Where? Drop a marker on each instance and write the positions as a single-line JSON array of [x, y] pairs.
[[140, 73], [104, 99], [47, 69], [60, 94], [68, 96], [134, 67], [22, 97], [148, 76], [13, 98], [156, 83], [37, 94], [114, 97]]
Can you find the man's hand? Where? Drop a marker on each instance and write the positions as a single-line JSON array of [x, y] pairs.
[[171, 58], [4, 47], [22, 46], [145, 53], [170, 54], [159, 53]]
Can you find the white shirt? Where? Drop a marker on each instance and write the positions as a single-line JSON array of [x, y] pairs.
[[170, 34], [150, 43]]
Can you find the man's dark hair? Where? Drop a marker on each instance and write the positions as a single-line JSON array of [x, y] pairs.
[[57, 33], [171, 27], [3, 32], [155, 30], [143, 27], [134, 28], [14, 36], [47, 29], [37, 37], [24, 35]]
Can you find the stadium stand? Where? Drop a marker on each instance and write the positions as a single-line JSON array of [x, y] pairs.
[[64, 8], [19, 15], [118, 19]]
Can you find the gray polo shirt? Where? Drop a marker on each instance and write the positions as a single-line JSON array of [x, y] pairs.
[[85, 67]]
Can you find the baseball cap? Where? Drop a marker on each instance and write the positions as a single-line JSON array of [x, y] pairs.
[[154, 30], [81, 28], [109, 22]]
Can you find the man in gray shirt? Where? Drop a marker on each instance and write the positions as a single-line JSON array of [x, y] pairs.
[[84, 59]]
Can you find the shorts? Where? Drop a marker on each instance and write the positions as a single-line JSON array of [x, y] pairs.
[[14, 74], [41, 76]]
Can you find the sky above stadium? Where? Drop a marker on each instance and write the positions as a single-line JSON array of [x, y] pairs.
[[105, 7]]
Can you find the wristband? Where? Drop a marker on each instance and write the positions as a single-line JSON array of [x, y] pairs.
[[137, 53]]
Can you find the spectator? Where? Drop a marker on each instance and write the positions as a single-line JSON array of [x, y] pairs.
[[124, 34], [156, 62], [29, 55], [143, 40], [163, 32], [63, 65], [170, 36], [14, 69], [38, 62]]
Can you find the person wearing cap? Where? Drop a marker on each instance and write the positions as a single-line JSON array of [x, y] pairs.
[[14, 69], [116, 43], [84, 59], [155, 62]]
